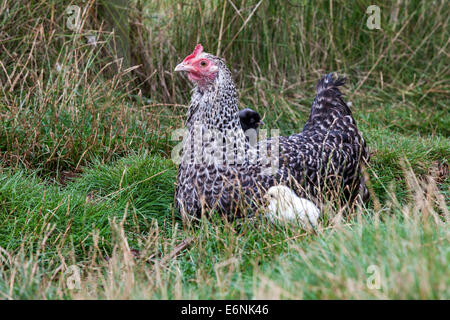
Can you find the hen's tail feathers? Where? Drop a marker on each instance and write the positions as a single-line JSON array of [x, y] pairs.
[[329, 97], [328, 82]]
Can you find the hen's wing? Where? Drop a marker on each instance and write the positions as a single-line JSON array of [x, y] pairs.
[[329, 151]]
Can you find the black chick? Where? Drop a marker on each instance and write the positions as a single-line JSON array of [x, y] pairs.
[[250, 119]]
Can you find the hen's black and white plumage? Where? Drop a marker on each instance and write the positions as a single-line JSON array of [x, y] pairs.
[[326, 156]]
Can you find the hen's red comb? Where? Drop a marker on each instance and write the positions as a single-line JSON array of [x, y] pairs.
[[198, 49]]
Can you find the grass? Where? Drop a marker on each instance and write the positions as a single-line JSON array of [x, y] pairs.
[[87, 184]]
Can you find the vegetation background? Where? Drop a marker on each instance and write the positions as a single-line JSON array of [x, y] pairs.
[[86, 180]]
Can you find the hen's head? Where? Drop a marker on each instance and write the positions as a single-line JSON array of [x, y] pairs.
[[201, 67]]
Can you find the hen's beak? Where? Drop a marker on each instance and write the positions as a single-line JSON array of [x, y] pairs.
[[183, 67], [261, 123]]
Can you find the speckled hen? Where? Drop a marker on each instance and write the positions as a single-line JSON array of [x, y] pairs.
[[220, 172]]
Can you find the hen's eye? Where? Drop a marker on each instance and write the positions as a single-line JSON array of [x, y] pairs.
[[203, 63]]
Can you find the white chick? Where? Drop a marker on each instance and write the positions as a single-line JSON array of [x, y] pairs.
[[285, 205]]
